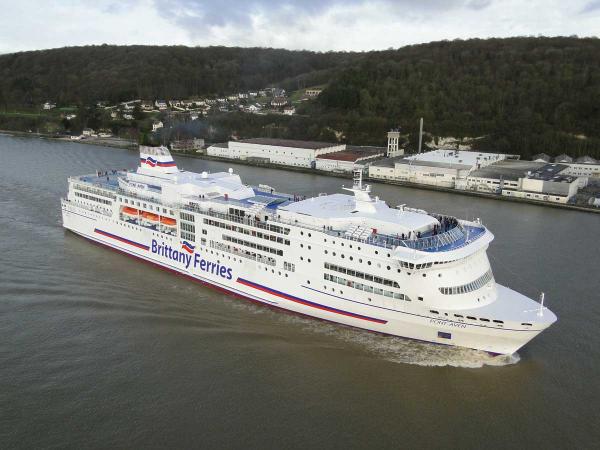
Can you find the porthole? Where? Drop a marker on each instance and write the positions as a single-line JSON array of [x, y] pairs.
[[369, 263], [388, 267], [350, 258]]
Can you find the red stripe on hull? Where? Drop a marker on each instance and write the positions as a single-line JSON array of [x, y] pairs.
[[309, 303]]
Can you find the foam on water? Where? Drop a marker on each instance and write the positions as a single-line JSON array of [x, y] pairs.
[[390, 348]]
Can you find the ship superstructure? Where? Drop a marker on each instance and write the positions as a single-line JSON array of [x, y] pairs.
[[348, 258]]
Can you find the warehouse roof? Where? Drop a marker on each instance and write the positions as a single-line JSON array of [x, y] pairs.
[[354, 153], [314, 145], [507, 170]]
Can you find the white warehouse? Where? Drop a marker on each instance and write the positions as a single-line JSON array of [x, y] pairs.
[[275, 151]]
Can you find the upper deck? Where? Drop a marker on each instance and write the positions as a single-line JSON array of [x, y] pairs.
[[336, 215]]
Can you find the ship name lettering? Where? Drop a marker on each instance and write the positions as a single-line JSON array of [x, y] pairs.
[[447, 323]]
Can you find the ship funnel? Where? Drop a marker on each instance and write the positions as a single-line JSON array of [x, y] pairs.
[[155, 160]]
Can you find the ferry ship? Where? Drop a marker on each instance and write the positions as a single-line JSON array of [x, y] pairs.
[[346, 258]]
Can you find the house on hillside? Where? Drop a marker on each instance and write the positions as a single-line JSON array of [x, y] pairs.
[[313, 92], [278, 102], [289, 110], [253, 108], [161, 104], [147, 106], [49, 105], [157, 125], [88, 132]]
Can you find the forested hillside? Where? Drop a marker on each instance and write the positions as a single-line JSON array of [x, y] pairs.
[[523, 95], [116, 73], [526, 95]]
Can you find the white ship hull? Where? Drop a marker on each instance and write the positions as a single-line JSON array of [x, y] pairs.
[[290, 290]]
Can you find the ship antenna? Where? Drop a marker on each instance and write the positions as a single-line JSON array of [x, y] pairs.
[[541, 311]]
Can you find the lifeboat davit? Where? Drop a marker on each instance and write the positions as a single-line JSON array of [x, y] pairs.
[[168, 221], [130, 211], [150, 216]]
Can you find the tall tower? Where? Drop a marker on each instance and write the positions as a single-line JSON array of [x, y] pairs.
[[393, 147]]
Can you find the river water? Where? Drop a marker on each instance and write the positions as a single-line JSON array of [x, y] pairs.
[[98, 350]]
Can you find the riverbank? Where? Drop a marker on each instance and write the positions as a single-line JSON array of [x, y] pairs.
[[116, 142], [113, 141]]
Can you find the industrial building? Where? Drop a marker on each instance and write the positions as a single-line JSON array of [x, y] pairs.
[[548, 183], [346, 161], [444, 168], [275, 151], [309, 154], [501, 175]]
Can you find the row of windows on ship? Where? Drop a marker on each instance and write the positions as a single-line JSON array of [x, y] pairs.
[[148, 206], [235, 215], [94, 190]]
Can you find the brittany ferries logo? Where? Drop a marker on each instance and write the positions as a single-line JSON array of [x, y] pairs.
[[189, 258], [187, 246], [150, 161]]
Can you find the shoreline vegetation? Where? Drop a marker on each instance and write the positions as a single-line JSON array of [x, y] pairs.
[[128, 145]]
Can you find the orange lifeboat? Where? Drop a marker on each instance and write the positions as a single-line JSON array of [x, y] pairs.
[[130, 211], [150, 216], [168, 221]]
